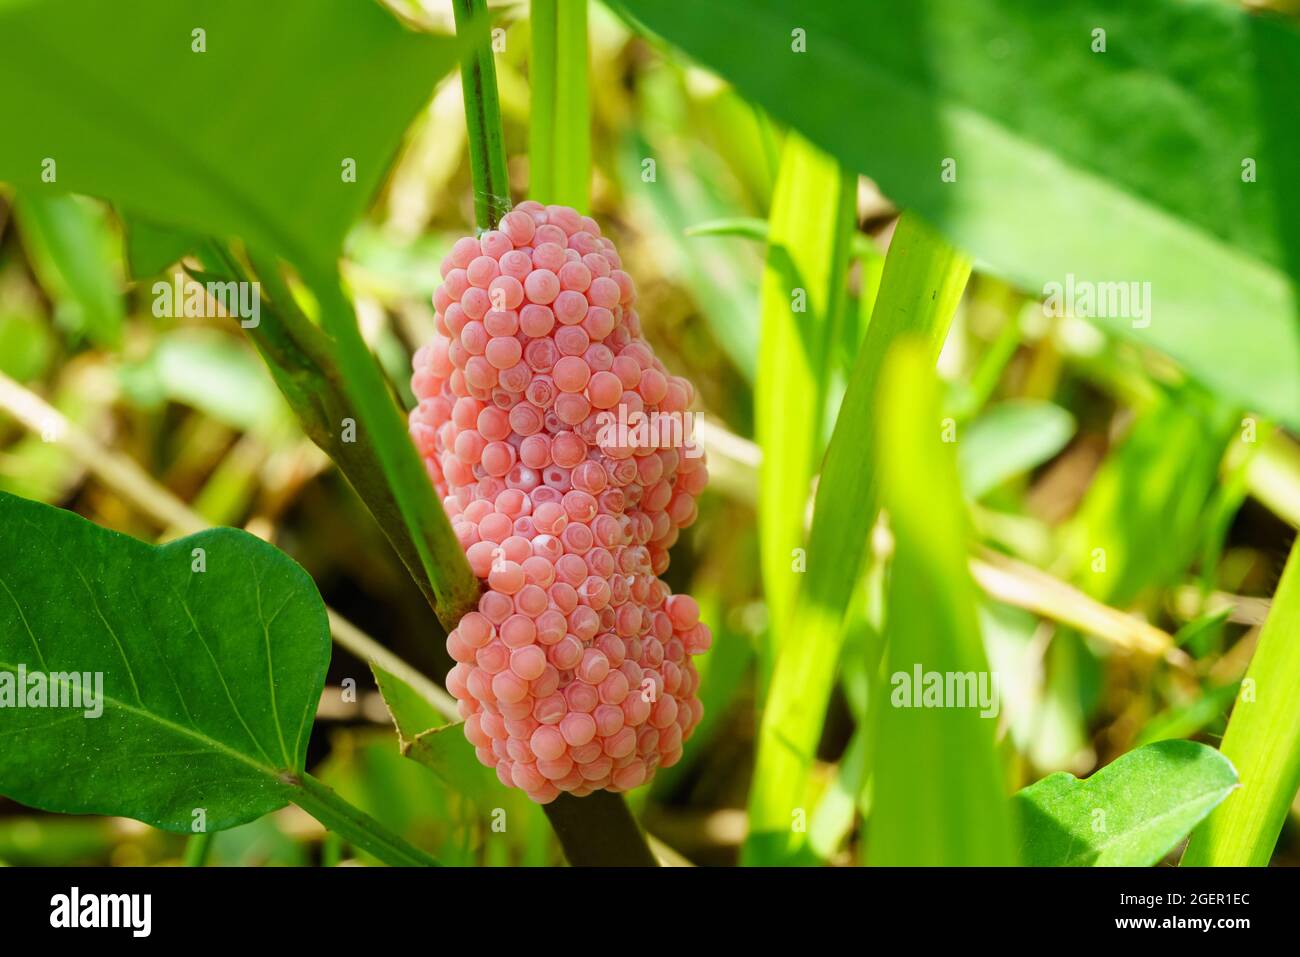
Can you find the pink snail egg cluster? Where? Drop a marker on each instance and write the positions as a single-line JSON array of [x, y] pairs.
[[575, 672]]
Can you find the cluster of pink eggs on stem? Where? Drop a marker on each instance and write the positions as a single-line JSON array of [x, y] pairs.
[[574, 673]]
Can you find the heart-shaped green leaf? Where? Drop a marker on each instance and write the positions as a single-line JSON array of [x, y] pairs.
[[1131, 813], [205, 659]]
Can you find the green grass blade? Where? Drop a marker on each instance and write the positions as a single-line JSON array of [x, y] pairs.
[[1262, 740], [802, 295], [922, 283], [478, 79], [937, 797], [559, 153]]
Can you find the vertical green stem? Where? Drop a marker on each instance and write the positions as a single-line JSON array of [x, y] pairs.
[[455, 588], [560, 134], [197, 849], [478, 77]]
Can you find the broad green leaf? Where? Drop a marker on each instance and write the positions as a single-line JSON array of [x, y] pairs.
[[1131, 813], [151, 248], [802, 298], [69, 245], [922, 283], [1262, 740], [210, 678], [209, 119], [1007, 439], [1020, 103], [559, 141], [937, 796]]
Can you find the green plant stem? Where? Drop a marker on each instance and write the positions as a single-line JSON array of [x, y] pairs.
[[478, 78], [356, 826], [801, 304], [197, 849], [599, 831], [1262, 742], [309, 368], [560, 113], [455, 588]]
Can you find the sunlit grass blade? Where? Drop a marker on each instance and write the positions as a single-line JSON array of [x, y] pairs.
[[922, 283], [801, 302], [937, 797], [559, 155], [1262, 740], [478, 79]]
